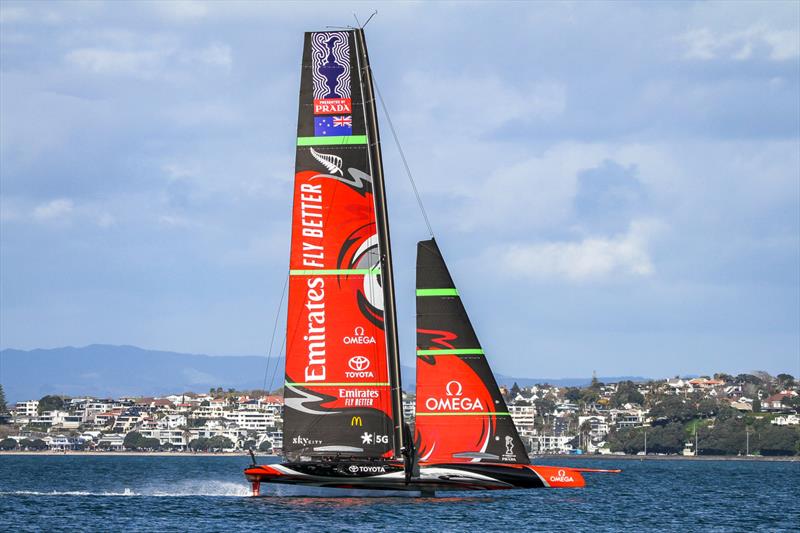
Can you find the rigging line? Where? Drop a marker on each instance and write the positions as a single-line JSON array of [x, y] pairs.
[[274, 329], [277, 360], [402, 156], [370, 18]]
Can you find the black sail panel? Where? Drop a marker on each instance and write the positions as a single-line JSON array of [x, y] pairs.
[[460, 413], [339, 386]]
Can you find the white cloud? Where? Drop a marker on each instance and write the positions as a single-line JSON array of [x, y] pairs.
[[12, 14], [534, 192], [105, 61], [215, 54], [589, 259], [706, 44], [55, 209], [483, 103], [181, 9], [146, 57]]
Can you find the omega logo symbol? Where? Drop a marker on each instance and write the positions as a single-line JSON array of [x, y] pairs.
[[454, 388], [358, 363], [359, 331]]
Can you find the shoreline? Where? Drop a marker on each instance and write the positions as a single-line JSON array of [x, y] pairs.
[[93, 453], [768, 458]]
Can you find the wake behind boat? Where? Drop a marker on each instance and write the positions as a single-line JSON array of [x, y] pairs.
[[343, 418]]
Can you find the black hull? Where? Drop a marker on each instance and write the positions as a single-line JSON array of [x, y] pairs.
[[432, 477]]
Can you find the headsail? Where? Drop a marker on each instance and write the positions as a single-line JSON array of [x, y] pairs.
[[460, 414], [338, 389]]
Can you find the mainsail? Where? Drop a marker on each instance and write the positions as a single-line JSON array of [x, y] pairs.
[[460, 414], [342, 375]]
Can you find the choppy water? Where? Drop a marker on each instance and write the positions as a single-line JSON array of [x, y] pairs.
[[184, 493]]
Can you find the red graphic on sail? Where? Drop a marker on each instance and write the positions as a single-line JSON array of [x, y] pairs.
[[337, 380], [452, 402], [460, 414], [337, 389]]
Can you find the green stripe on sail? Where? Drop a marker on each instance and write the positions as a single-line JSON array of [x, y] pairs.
[[334, 272], [320, 141], [451, 413], [462, 351], [437, 292], [330, 384]]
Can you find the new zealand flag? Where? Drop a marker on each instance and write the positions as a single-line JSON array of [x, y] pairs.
[[333, 126]]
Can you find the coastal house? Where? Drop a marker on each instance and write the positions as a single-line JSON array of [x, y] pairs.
[[775, 402], [107, 418], [166, 436], [627, 418], [409, 406], [128, 420], [253, 420], [61, 443], [111, 441], [598, 426], [550, 443], [23, 412], [524, 417], [742, 406], [787, 420]]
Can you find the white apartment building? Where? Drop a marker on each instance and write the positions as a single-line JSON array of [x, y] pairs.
[[128, 420], [409, 409], [550, 443], [252, 420], [175, 437], [524, 417], [599, 426], [627, 418], [25, 411], [111, 441]]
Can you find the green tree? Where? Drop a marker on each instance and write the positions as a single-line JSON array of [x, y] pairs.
[[748, 378], [136, 441], [660, 439], [515, 390], [218, 442], [3, 406], [627, 392], [673, 409], [8, 444], [199, 444], [573, 394], [778, 440], [265, 446], [35, 444], [50, 403], [785, 381], [756, 405]]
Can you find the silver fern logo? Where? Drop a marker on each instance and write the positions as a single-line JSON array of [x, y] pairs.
[[331, 162]]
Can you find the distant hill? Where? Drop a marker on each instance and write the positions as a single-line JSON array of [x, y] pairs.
[[112, 371]]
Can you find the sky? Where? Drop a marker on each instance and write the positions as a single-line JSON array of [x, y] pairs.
[[615, 187]]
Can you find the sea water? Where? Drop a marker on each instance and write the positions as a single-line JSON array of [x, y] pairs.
[[190, 493]]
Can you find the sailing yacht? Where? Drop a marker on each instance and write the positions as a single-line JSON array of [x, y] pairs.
[[343, 418]]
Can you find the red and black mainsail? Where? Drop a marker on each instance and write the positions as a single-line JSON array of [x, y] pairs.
[[342, 384], [460, 414]]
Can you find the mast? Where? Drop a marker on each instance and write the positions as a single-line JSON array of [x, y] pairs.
[[382, 223]]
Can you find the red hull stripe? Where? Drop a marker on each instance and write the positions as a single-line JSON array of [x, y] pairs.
[[329, 384], [460, 413], [462, 351]]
